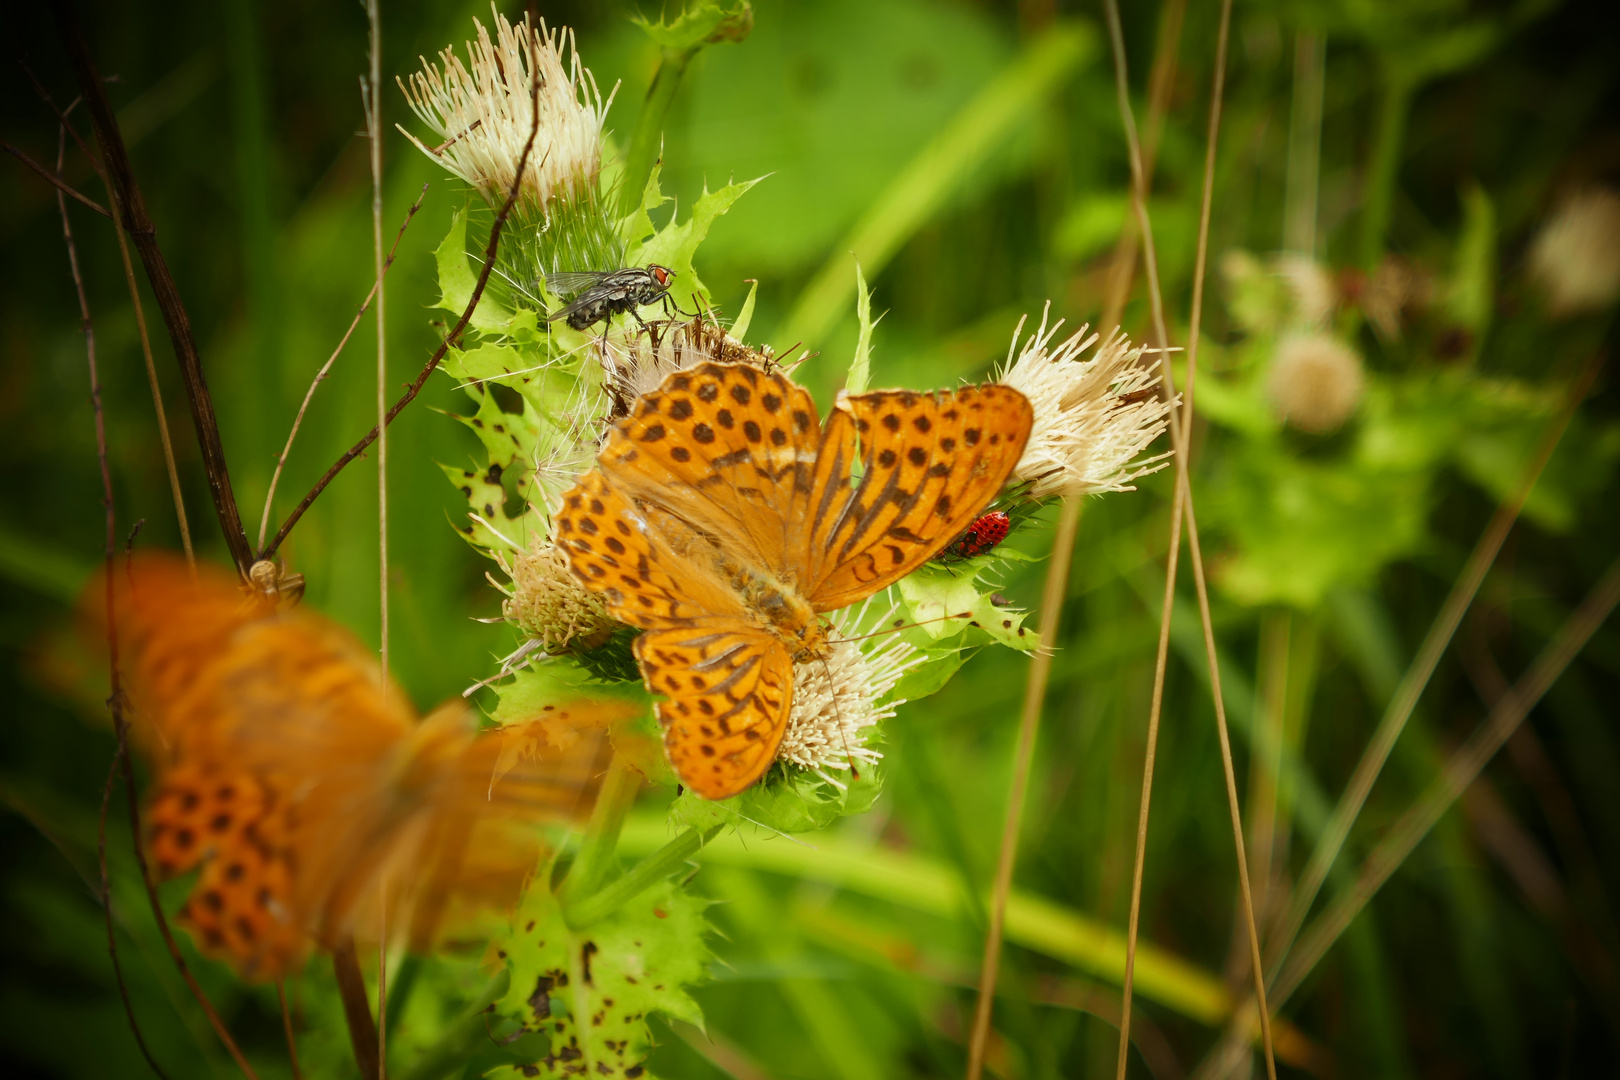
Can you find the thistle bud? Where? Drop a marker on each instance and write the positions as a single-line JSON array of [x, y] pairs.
[[1316, 382], [1576, 256]]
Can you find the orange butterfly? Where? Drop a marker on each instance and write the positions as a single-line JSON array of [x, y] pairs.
[[722, 518], [305, 790]]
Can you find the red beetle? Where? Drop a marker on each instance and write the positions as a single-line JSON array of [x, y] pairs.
[[981, 536]]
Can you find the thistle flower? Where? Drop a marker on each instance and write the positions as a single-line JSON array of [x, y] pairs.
[[548, 604], [1092, 417], [836, 701], [1310, 287], [1576, 256], [638, 362], [483, 111], [1316, 382]]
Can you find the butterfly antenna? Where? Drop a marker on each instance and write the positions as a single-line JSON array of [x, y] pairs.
[[899, 626], [838, 715]]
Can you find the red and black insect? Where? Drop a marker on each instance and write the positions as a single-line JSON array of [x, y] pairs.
[[981, 536], [600, 294]]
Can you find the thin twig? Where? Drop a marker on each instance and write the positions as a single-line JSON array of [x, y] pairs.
[[326, 368], [356, 1008], [1183, 504], [1200, 582], [372, 97], [132, 210], [1460, 771], [438, 354], [173, 469], [56, 181], [287, 1028], [111, 615], [1161, 80], [1057, 576], [1417, 677]]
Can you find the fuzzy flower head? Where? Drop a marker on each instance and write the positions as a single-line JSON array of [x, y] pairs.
[[1093, 416], [837, 701], [1316, 382], [1576, 256], [483, 111], [638, 362], [547, 603]]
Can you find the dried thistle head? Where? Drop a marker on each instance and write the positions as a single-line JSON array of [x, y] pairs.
[[1576, 256], [548, 604], [837, 701], [1093, 416], [484, 110], [1316, 382], [638, 361]]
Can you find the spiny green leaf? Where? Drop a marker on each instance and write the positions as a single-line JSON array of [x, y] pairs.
[[944, 601], [788, 800], [590, 991], [704, 23], [860, 369], [675, 245]]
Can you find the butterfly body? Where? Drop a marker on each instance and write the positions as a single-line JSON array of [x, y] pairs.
[[604, 294], [724, 519]]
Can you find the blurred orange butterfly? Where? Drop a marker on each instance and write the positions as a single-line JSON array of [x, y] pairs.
[[722, 518], [303, 787]]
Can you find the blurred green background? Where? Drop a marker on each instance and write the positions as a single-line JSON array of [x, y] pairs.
[[972, 156]]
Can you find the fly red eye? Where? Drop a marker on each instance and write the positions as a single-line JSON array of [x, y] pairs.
[[661, 274]]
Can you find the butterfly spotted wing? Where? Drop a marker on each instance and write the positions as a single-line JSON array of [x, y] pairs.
[[723, 485], [929, 464], [302, 788]]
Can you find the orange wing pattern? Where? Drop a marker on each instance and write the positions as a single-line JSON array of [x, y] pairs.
[[721, 517], [929, 464], [728, 449], [728, 687], [303, 790], [646, 567]]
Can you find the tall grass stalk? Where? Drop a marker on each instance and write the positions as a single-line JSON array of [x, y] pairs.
[[1417, 678]]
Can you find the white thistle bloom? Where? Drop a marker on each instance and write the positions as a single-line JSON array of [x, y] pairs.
[[635, 362], [484, 111], [837, 700], [1316, 382], [1576, 256], [1092, 419]]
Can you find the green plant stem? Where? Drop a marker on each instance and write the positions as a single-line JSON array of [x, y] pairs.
[[598, 851], [654, 868], [1384, 168], [647, 141]]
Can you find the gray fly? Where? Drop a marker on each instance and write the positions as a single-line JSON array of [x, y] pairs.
[[601, 294]]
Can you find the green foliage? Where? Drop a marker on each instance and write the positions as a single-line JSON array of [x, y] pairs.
[[586, 995], [972, 162]]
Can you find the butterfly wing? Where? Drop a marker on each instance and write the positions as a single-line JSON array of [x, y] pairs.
[[728, 687], [647, 569], [727, 448], [929, 463]]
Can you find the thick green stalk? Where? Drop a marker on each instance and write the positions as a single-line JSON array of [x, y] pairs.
[[598, 852], [1384, 168], [647, 141], [649, 871]]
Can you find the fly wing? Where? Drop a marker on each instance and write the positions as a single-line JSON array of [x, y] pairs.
[[569, 282], [576, 304]]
